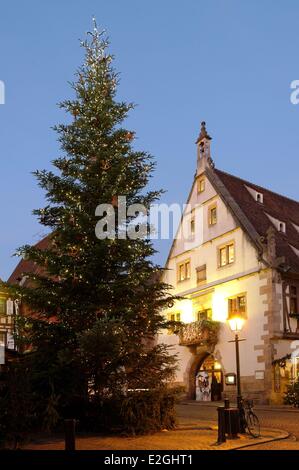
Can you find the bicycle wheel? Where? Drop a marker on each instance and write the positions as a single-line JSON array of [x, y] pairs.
[[253, 425]]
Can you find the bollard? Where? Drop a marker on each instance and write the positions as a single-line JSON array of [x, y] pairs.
[[221, 425], [69, 429], [226, 403]]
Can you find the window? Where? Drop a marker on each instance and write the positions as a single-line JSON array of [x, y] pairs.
[[212, 215], [2, 306], [201, 273], [293, 300], [188, 271], [204, 314], [259, 197], [226, 254], [200, 185], [237, 305], [282, 227], [175, 317], [231, 253], [3, 340], [181, 272], [184, 271], [192, 226]]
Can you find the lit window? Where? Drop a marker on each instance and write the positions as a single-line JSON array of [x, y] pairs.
[[184, 271], [200, 185], [226, 254], [174, 317], [204, 314], [192, 226], [2, 306], [231, 253], [188, 272], [212, 215], [293, 300], [237, 305], [3, 339], [201, 273], [223, 260]]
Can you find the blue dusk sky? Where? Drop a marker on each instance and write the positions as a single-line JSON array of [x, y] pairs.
[[227, 62]]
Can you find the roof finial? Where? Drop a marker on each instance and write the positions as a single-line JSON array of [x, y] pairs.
[[203, 133]]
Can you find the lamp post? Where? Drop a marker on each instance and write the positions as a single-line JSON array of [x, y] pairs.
[[236, 323]]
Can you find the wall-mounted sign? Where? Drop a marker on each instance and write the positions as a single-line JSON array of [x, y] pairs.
[[230, 379], [259, 374]]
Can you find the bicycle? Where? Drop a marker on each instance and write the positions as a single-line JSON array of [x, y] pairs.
[[249, 419]]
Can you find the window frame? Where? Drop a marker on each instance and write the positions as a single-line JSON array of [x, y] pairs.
[[293, 297], [231, 312], [3, 313], [201, 184], [187, 270], [226, 247], [207, 311], [199, 269], [212, 220]]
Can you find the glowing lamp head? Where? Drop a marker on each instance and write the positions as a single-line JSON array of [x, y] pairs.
[[236, 323]]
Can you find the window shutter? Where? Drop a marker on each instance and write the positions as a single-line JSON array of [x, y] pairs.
[[9, 307]]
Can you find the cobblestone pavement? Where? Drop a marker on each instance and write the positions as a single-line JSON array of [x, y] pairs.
[[270, 417], [197, 431]]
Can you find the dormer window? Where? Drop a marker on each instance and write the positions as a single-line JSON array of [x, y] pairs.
[[278, 224], [282, 227], [259, 198]]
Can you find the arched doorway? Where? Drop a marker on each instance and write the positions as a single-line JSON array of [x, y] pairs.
[[208, 379]]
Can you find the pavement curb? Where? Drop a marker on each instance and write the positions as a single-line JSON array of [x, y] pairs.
[[256, 407], [212, 425], [283, 436]]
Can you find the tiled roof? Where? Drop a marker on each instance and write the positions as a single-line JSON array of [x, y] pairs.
[[275, 205], [27, 266]]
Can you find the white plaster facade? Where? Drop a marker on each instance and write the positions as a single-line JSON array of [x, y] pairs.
[[249, 274]]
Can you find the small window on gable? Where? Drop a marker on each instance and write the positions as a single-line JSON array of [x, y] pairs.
[[192, 224], [201, 184], [259, 198], [213, 215]]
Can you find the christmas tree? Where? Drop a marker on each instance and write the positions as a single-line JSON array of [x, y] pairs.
[[95, 303]]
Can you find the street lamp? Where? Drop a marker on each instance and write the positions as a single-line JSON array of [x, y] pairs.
[[236, 322]]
